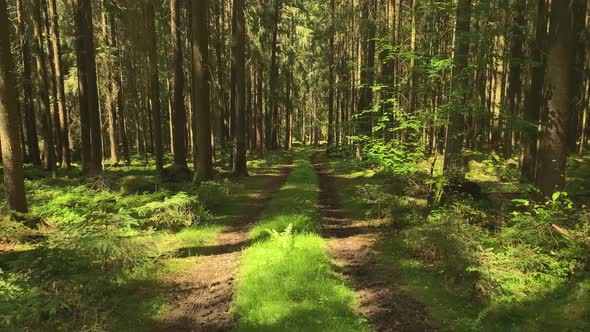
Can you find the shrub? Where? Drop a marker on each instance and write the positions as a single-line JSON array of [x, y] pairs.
[[174, 213], [376, 199]]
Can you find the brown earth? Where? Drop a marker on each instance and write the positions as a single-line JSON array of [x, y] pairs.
[[201, 297], [351, 244]]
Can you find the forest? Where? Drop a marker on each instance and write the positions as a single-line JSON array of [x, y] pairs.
[[295, 165]]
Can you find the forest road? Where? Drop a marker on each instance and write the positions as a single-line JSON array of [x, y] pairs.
[[352, 246], [202, 297]]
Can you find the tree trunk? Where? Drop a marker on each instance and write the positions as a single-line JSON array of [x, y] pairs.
[[331, 82], [272, 119], [179, 114], [42, 89], [34, 154], [154, 80], [579, 58], [514, 85], [453, 165], [88, 89], [12, 158], [534, 97], [367, 69], [558, 93], [238, 87], [59, 84], [201, 102]]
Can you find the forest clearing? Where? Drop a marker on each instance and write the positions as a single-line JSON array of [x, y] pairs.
[[294, 165]]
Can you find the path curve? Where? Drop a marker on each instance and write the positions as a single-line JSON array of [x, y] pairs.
[[202, 297], [351, 245]]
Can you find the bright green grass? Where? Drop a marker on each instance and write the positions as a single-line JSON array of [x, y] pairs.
[[294, 204], [285, 281]]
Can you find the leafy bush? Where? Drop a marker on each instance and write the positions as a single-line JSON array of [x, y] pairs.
[[174, 213]]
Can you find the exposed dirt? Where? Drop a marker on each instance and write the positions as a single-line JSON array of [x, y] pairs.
[[202, 297], [352, 246]]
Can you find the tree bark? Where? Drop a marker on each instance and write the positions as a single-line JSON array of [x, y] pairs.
[[534, 97], [154, 80], [34, 154], [558, 93], [272, 119], [43, 88], [179, 114], [453, 165], [12, 158], [59, 84], [201, 102], [239, 87]]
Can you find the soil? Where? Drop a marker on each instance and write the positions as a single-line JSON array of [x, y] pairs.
[[352, 245], [202, 297]]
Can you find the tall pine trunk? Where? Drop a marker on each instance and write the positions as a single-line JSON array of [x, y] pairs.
[[179, 112], [201, 102], [12, 158], [558, 94], [239, 87], [155, 86]]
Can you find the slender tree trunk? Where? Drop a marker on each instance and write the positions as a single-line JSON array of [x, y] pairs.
[[59, 83], [179, 115], [30, 119], [580, 8], [201, 102], [238, 87], [154, 80], [453, 165], [88, 89], [42, 89], [534, 97], [558, 93], [272, 119], [12, 158], [367, 69], [331, 81]]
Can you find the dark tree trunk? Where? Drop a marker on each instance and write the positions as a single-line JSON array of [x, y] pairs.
[[558, 93], [179, 114], [239, 87], [30, 119], [59, 84], [12, 158], [514, 75], [367, 69], [43, 88], [88, 89], [201, 102], [331, 82], [534, 97], [272, 119], [453, 165], [579, 58], [155, 85]]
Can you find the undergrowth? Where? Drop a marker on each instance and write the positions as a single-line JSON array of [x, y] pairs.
[[493, 264]]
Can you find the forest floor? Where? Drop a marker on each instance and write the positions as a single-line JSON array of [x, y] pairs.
[[308, 242], [201, 296]]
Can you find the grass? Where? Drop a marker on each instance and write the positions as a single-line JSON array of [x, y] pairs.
[[286, 282]]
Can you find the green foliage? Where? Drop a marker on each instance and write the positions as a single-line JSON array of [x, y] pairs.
[[174, 213]]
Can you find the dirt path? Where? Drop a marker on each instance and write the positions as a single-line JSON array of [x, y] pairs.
[[351, 245], [203, 296]]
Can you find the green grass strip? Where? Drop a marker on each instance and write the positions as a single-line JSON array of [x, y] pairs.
[[286, 282]]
